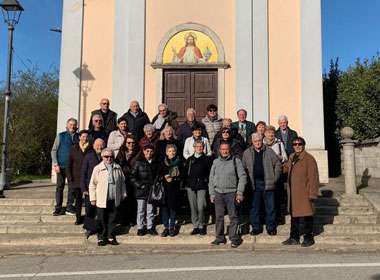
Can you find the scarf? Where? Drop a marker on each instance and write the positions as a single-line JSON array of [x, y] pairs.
[[173, 165], [83, 147]]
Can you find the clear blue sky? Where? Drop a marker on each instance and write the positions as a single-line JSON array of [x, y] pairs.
[[350, 28]]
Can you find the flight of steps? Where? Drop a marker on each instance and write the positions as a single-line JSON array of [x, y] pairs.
[[26, 221]]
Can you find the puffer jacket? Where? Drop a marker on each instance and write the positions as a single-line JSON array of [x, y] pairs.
[[212, 127], [143, 175]]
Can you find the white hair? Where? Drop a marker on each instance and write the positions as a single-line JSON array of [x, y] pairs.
[[190, 110], [282, 117], [162, 105], [148, 127], [107, 150], [256, 136]]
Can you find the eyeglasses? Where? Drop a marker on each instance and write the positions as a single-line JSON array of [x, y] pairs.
[[105, 104], [107, 156], [98, 121], [297, 144], [131, 142]]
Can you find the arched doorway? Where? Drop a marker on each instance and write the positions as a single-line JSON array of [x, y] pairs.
[[190, 65]]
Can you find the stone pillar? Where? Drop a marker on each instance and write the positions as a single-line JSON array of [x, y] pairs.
[[349, 160]]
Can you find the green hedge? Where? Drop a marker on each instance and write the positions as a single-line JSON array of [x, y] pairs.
[[358, 98]]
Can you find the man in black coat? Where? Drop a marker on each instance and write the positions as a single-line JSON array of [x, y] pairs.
[[91, 159], [285, 134], [109, 116], [136, 119], [185, 130], [164, 118], [97, 130], [245, 128]]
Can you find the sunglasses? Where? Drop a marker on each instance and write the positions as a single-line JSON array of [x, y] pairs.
[[107, 156], [130, 142], [226, 132], [297, 144], [105, 104], [97, 120], [212, 110]]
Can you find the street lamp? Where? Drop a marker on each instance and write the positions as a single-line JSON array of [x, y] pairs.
[[11, 11]]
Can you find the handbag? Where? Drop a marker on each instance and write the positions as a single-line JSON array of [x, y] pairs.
[[157, 193]]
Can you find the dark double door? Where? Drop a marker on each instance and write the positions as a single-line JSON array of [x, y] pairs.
[[190, 88]]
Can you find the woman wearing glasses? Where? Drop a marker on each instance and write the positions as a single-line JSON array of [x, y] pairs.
[[303, 181], [126, 158], [107, 190]]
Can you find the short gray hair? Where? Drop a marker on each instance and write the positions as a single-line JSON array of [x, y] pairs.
[[107, 150], [148, 127], [72, 120], [198, 141], [282, 117], [162, 105], [190, 110], [256, 136]]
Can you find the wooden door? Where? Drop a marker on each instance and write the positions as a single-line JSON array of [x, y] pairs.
[[190, 88]]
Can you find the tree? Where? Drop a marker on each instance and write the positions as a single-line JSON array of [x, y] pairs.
[[330, 91], [358, 100], [33, 118]]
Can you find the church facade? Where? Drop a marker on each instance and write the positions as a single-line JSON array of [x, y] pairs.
[[260, 55]]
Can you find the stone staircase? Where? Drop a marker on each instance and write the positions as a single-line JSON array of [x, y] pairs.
[[26, 221]]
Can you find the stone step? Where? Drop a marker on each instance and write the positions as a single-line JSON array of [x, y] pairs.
[[35, 218], [26, 209], [26, 202], [343, 219], [343, 210], [40, 229]]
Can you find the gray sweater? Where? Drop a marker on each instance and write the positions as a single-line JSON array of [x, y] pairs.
[[271, 163], [223, 177]]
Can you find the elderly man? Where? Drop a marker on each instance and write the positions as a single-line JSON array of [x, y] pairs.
[[212, 122], [226, 187], [164, 118], [264, 169], [107, 190], [60, 156], [245, 128], [185, 130], [303, 181], [109, 117], [136, 119], [98, 130], [90, 160], [285, 134]]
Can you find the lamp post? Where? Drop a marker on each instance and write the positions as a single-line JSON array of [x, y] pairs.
[[11, 11]]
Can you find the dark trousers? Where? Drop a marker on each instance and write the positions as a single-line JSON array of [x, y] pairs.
[[61, 180], [107, 218], [168, 217], [222, 201], [260, 195], [78, 201], [295, 231]]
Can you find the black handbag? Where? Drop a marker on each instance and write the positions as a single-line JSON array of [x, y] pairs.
[[157, 193]]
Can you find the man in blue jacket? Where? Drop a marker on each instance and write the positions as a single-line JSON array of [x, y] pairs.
[[60, 155]]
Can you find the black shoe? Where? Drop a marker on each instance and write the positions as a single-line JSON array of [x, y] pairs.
[[307, 242], [78, 222], [88, 234], [256, 232], [165, 233], [272, 232], [236, 243], [102, 242], [291, 241], [141, 232], [113, 242], [218, 242], [195, 231], [203, 231], [57, 212], [152, 231], [172, 232], [70, 212]]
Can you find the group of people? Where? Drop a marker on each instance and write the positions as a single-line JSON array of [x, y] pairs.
[[117, 165]]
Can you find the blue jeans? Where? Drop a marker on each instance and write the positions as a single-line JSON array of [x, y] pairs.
[[260, 195], [168, 217]]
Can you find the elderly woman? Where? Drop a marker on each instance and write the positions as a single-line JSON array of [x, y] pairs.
[[117, 137], [171, 172], [188, 149], [150, 136], [164, 118], [237, 147], [274, 143], [167, 137], [107, 189], [303, 181]]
